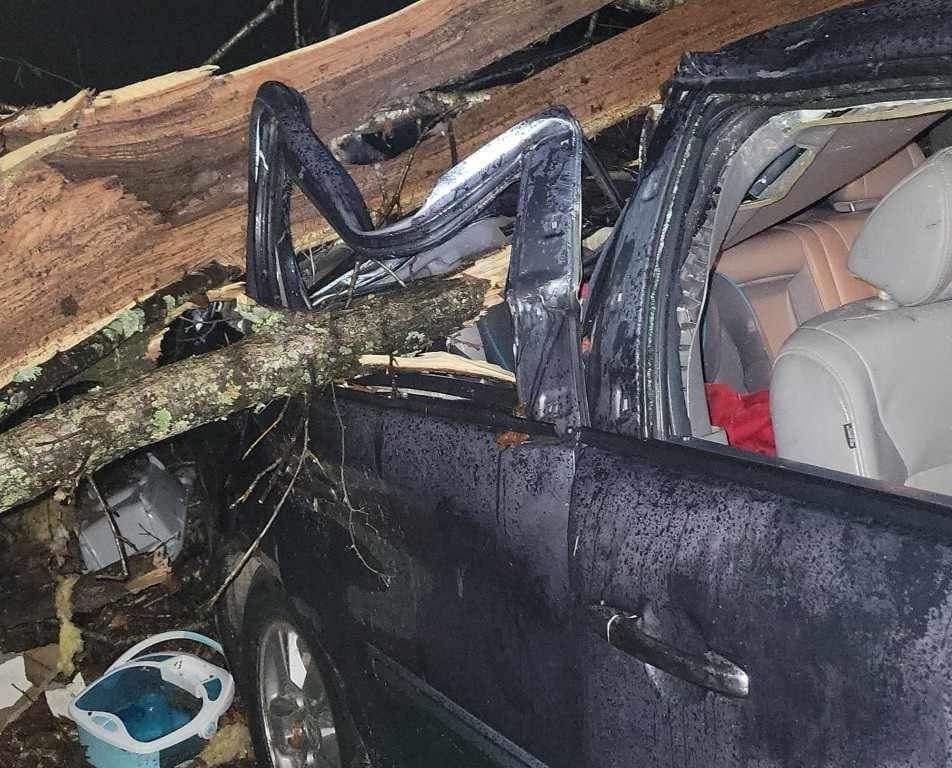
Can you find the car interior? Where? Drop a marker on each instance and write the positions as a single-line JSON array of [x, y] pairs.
[[823, 333], [814, 315]]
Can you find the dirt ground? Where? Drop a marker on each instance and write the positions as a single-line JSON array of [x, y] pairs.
[[112, 616]]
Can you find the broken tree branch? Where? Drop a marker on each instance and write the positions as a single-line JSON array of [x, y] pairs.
[[113, 527], [32, 383], [279, 360], [140, 184], [243, 561], [345, 498], [36, 70]]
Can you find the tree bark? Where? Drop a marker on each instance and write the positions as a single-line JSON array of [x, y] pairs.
[[118, 195], [92, 190], [152, 313], [289, 353]]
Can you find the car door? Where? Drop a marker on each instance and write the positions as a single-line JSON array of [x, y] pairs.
[[734, 610], [461, 517], [457, 511], [440, 518], [784, 620]]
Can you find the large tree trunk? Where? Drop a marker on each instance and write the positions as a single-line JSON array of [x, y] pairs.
[[104, 199], [115, 196], [289, 353]]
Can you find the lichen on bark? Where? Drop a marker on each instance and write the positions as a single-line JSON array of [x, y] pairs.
[[289, 353]]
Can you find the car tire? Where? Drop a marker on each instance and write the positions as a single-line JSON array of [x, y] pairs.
[[297, 715]]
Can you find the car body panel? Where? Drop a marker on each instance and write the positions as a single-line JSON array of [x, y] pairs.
[[469, 556], [839, 621], [462, 574]]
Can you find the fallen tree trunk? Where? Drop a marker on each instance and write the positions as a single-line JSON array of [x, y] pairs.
[[151, 182], [289, 353], [128, 185], [155, 312]]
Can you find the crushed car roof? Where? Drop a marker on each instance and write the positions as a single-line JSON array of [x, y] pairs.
[[878, 39]]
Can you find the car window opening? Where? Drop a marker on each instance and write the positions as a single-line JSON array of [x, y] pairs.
[[819, 337], [484, 350]]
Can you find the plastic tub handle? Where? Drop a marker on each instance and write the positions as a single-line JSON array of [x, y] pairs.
[[177, 634]]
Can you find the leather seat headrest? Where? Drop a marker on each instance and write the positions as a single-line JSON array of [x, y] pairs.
[[905, 246], [865, 192]]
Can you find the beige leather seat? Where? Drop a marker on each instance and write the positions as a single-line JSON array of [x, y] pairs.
[[767, 286], [864, 388]]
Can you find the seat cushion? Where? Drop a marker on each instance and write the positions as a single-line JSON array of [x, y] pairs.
[[905, 248], [864, 193], [787, 275], [938, 480], [863, 389], [793, 272]]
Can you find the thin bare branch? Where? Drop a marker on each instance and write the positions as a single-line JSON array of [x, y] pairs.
[[114, 527], [264, 434], [251, 487], [37, 70], [394, 202], [239, 566], [266, 13], [345, 498]]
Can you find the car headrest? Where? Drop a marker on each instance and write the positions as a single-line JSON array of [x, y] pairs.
[[905, 246], [865, 192]]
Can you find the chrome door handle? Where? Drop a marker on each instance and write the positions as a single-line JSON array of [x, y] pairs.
[[711, 670]]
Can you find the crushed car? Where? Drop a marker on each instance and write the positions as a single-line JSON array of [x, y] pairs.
[[685, 498]]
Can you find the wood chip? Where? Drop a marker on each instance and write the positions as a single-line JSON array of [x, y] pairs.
[[510, 437]]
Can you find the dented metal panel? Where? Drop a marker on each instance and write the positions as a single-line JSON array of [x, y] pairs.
[[543, 155], [821, 606]]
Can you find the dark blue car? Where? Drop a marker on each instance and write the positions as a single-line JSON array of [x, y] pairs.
[[681, 497]]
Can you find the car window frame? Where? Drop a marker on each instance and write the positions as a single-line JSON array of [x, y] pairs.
[[662, 381]]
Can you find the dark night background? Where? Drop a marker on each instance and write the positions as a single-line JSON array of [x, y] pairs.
[[51, 48], [103, 44]]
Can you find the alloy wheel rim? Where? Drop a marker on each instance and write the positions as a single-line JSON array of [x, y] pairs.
[[299, 725]]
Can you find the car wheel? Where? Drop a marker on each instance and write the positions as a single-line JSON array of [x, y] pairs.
[[297, 716]]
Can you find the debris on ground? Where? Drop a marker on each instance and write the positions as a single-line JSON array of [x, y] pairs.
[[59, 698], [145, 514], [230, 744], [70, 637], [54, 616], [22, 678], [13, 681]]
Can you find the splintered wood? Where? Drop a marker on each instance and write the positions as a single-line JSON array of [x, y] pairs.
[[110, 197]]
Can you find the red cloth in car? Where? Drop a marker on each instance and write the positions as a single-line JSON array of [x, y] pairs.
[[745, 417]]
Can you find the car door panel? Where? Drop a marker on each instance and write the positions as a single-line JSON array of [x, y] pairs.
[[526, 685], [839, 619], [468, 522]]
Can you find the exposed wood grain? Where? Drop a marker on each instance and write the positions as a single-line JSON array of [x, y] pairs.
[[493, 267], [175, 145], [126, 191], [177, 141], [439, 362], [601, 86]]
